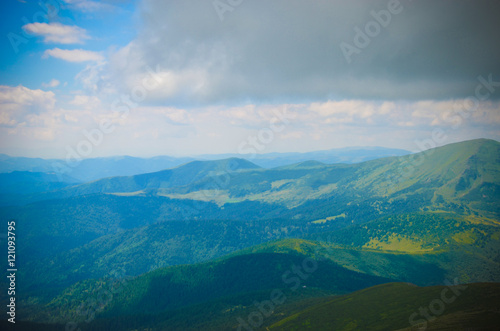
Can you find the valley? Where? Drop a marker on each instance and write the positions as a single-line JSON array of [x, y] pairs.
[[226, 244]]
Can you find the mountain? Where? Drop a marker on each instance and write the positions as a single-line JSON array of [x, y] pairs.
[[10, 164], [17, 185], [467, 249], [421, 218], [462, 247], [338, 155], [26, 182], [457, 176], [390, 306], [474, 259], [400, 306], [101, 221], [179, 176], [93, 168], [146, 183], [96, 168], [461, 175], [240, 274], [296, 274]]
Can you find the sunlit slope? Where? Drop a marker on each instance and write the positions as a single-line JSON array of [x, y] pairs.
[[422, 232], [465, 247]]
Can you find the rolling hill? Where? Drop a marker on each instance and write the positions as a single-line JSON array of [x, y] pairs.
[[390, 306], [421, 218], [338, 155], [178, 286], [16, 185], [175, 177], [462, 176], [257, 205], [303, 273], [97, 168], [400, 306], [25, 182]]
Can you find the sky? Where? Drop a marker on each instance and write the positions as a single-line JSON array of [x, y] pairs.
[[143, 78]]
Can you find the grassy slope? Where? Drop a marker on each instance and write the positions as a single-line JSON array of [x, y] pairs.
[[178, 176], [466, 173], [390, 306]]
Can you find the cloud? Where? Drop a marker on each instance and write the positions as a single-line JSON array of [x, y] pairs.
[[86, 102], [51, 84], [454, 113], [74, 55], [30, 118], [206, 84], [18, 104], [430, 50], [171, 115], [346, 110], [57, 33], [89, 6]]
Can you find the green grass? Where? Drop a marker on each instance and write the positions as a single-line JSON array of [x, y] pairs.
[[391, 306]]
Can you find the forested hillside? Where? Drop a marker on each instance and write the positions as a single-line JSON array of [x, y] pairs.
[[211, 237]]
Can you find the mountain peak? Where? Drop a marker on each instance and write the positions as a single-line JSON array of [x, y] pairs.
[[229, 164]]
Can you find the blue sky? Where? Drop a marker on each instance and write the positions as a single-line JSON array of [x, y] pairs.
[[151, 77], [21, 60]]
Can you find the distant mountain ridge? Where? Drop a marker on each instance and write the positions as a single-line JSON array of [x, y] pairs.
[[93, 168], [466, 173], [97, 168], [179, 176], [455, 173], [28, 182], [331, 156]]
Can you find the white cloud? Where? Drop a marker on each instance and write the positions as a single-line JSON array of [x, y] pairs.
[[172, 115], [358, 108], [454, 112], [92, 78], [51, 84], [89, 6], [57, 32], [86, 102], [73, 55], [348, 111], [30, 118], [18, 103]]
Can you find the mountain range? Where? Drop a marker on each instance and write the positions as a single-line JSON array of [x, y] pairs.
[[84, 170], [202, 244]]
